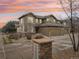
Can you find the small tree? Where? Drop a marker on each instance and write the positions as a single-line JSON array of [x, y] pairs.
[[9, 27], [70, 7]]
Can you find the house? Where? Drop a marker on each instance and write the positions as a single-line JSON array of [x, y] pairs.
[[31, 23]]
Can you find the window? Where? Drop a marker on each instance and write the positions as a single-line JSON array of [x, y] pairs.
[[21, 21], [50, 20], [47, 19], [30, 19], [64, 23], [54, 20], [36, 20], [40, 21], [58, 22]]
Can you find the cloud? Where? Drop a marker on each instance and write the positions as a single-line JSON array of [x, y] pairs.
[[44, 2], [2, 7], [9, 6], [7, 2], [25, 4]]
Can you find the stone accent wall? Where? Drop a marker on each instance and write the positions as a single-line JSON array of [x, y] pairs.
[[45, 51], [44, 47]]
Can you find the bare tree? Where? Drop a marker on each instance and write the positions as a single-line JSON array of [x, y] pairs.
[[70, 7]]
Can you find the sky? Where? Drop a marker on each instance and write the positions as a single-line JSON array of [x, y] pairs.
[[13, 9]]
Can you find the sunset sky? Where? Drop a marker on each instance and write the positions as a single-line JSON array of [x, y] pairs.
[[12, 9]]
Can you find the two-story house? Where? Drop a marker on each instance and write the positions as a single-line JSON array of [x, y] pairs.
[[29, 23]]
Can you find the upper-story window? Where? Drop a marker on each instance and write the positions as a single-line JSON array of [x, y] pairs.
[[21, 21], [50, 20], [54, 20], [36, 20], [40, 21], [64, 23], [58, 22], [30, 19], [47, 19]]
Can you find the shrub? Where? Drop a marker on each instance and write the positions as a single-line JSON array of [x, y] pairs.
[[7, 40], [13, 36], [38, 36]]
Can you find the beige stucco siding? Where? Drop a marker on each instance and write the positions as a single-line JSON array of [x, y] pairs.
[[28, 23], [52, 31]]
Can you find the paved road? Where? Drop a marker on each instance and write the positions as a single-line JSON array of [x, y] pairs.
[[61, 42]]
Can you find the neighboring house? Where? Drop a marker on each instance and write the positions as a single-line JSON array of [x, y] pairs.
[[30, 22]]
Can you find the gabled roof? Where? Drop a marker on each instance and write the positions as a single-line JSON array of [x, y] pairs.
[[51, 16], [37, 16], [26, 15]]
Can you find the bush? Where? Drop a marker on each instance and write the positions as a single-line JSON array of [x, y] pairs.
[[38, 36], [13, 36], [7, 40]]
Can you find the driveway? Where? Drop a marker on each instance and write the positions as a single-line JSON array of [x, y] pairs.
[[23, 49]]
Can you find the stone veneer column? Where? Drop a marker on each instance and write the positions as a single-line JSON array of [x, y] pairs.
[[44, 48]]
